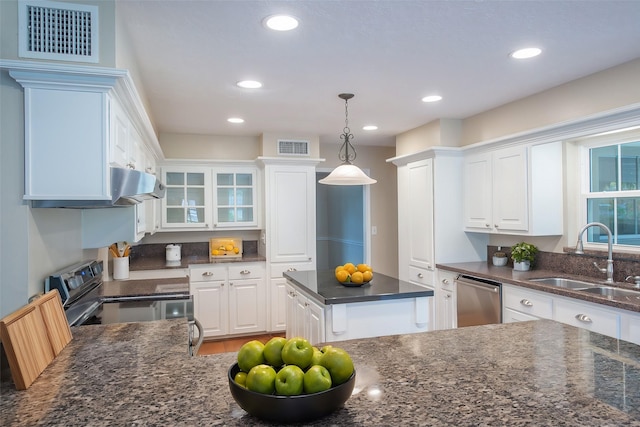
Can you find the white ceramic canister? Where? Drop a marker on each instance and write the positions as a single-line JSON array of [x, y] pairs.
[[173, 253]]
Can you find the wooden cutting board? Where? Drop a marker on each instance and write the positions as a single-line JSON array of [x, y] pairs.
[[33, 336]]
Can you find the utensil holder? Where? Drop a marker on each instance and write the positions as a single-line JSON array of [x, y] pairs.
[[121, 268]]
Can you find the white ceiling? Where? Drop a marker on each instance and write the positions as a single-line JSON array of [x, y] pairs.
[[388, 53]]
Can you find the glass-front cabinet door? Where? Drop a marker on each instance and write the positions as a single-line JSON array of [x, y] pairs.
[[187, 203], [235, 197]]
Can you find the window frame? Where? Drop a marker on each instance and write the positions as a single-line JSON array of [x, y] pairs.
[[614, 138]]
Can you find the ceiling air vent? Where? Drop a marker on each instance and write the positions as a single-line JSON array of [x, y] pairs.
[[293, 148], [57, 31]]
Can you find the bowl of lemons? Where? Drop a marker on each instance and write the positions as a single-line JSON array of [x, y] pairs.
[[352, 275]]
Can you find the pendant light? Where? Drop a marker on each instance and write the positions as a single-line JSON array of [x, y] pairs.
[[347, 173]]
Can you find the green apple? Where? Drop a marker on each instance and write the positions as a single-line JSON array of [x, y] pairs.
[[317, 354], [338, 363], [262, 379], [250, 355], [289, 381], [297, 351], [273, 351], [241, 379], [316, 379]]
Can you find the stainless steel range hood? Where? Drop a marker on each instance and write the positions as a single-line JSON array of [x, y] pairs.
[[128, 187]]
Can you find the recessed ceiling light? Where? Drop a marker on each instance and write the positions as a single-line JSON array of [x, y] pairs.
[[235, 120], [370, 127], [432, 98], [281, 22], [249, 84], [528, 52]]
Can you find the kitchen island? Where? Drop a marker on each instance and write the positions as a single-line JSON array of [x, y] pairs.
[[531, 373], [323, 310]]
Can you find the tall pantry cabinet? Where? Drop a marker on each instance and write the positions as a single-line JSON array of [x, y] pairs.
[[290, 232], [430, 220]]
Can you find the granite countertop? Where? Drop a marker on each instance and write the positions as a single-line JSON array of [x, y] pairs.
[[523, 279], [528, 373], [144, 288], [324, 288], [159, 262]]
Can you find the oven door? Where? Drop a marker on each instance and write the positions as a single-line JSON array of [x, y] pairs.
[[124, 311]]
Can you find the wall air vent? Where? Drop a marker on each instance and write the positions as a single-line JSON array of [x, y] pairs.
[[287, 147], [57, 31]]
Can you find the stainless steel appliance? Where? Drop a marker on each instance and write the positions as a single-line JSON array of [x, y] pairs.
[[80, 287], [479, 301]]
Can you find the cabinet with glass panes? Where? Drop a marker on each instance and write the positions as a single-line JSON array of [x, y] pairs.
[[235, 197], [187, 203]]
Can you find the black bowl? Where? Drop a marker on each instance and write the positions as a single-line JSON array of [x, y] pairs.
[[290, 409]]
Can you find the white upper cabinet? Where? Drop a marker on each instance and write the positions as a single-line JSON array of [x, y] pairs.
[[235, 197], [187, 203], [515, 190], [78, 124], [209, 196], [290, 212]]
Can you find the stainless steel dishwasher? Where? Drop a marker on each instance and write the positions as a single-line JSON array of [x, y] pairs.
[[479, 301]]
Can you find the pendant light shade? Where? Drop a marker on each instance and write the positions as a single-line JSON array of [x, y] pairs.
[[347, 173]]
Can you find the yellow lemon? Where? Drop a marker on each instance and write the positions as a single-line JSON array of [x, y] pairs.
[[338, 268], [215, 252], [228, 248], [367, 276], [363, 267], [357, 278], [350, 268], [236, 250], [342, 275]]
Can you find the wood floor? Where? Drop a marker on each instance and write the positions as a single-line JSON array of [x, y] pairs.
[[231, 344]]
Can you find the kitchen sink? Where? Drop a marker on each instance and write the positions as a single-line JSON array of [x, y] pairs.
[[612, 292], [565, 283]]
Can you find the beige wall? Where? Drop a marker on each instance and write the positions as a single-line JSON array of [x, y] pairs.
[[443, 132], [213, 147]]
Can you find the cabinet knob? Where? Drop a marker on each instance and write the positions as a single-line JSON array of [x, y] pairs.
[[306, 304], [496, 225], [583, 318], [207, 274], [245, 272], [222, 285], [526, 302], [230, 283], [291, 269], [420, 275], [488, 225], [447, 296], [445, 281]]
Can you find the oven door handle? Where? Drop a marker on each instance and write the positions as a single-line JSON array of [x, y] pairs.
[[194, 348]]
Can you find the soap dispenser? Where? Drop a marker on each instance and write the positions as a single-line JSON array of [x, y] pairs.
[[499, 258]]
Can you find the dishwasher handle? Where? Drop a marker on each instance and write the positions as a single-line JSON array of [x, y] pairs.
[[480, 285]]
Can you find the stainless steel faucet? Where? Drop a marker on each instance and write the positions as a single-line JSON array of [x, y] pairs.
[[580, 248]]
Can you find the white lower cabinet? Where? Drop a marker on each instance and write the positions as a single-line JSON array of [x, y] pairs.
[[520, 304], [277, 310], [305, 318], [445, 301], [229, 299]]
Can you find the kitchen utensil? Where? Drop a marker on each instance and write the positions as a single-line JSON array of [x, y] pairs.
[[290, 409], [121, 268], [33, 336]]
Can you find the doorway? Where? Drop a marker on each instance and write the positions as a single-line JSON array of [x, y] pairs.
[[342, 218]]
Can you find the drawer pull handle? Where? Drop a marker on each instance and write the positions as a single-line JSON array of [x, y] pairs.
[[420, 275], [207, 274], [526, 302], [291, 269], [245, 272], [584, 318]]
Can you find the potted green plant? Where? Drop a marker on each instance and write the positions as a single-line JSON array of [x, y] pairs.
[[523, 255]]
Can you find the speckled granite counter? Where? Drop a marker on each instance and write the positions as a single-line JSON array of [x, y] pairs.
[[324, 288], [539, 373], [523, 278], [144, 288]]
